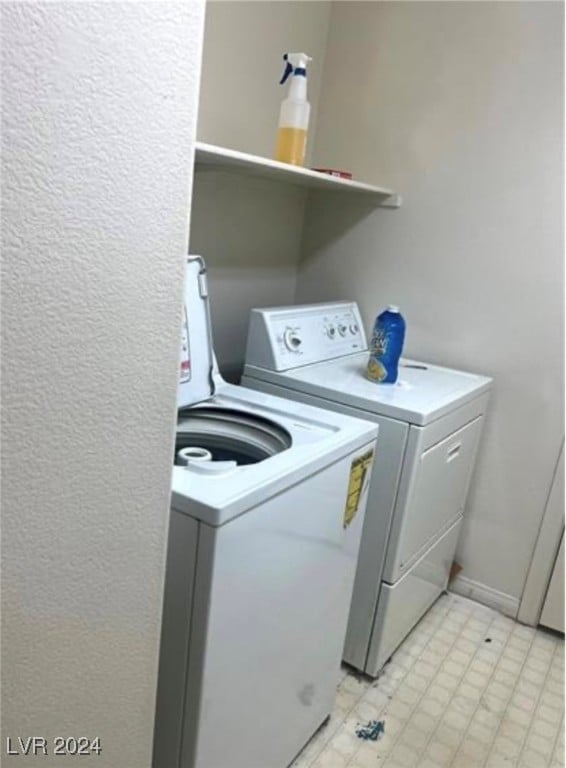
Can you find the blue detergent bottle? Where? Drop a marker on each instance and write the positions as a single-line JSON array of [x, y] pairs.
[[386, 346]]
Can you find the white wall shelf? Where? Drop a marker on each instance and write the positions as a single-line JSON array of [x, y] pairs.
[[220, 158]]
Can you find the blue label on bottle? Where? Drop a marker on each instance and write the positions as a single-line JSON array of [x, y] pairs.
[[378, 345], [385, 347]]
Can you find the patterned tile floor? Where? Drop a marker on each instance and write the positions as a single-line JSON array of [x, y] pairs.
[[468, 688]]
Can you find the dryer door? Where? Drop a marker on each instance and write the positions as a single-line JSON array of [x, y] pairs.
[[438, 480], [196, 380]]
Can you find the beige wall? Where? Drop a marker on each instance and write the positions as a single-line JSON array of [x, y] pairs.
[[250, 230], [242, 65], [99, 118], [459, 107]]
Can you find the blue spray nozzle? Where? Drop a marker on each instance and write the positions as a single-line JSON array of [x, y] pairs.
[[288, 69], [296, 64]]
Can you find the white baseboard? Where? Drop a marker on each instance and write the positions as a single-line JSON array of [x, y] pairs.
[[485, 595]]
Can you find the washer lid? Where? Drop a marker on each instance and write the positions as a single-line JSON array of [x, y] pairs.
[[196, 375]]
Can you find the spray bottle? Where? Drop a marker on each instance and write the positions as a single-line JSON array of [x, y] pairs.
[[295, 111]]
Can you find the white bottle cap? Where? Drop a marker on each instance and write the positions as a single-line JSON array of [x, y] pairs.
[[392, 308]]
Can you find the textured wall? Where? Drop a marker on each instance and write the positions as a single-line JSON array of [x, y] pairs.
[[459, 106], [98, 119]]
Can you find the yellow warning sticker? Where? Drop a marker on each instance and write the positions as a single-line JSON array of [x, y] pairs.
[[358, 473]]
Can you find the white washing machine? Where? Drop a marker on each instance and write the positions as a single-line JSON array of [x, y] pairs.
[[429, 427], [267, 511]]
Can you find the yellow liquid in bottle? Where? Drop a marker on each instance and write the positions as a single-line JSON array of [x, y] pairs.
[[291, 145]]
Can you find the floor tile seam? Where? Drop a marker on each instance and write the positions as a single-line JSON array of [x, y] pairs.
[[415, 705], [448, 605], [460, 680], [430, 738], [330, 736], [538, 705], [555, 745], [541, 688], [352, 757], [560, 730], [518, 759], [407, 671], [309, 763], [381, 709], [446, 609], [523, 742], [350, 710], [437, 624], [453, 765]]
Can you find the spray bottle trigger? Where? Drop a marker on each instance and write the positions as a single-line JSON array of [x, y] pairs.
[[288, 70]]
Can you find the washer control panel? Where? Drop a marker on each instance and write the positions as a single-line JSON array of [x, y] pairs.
[[281, 338]]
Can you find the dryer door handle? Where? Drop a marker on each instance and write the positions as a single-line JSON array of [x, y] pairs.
[[452, 452]]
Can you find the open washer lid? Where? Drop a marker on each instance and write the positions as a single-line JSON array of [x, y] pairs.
[[196, 375], [211, 437]]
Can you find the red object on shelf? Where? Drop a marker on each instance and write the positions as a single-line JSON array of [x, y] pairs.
[[333, 172]]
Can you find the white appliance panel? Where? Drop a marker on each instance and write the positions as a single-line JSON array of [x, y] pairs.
[[390, 452], [281, 338], [391, 447], [196, 380], [402, 604], [270, 592], [436, 494], [423, 393], [175, 636], [317, 439]]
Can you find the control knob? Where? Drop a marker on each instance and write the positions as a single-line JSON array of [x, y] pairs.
[[292, 340]]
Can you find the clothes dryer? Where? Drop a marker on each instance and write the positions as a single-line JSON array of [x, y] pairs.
[[430, 423]]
